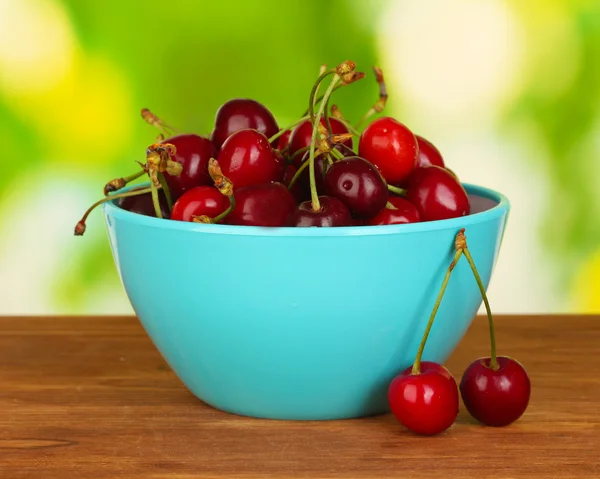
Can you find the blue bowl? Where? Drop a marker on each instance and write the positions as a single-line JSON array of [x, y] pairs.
[[301, 323]]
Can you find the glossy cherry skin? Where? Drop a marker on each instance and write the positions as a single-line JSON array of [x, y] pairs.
[[247, 158], [358, 184], [267, 204], [302, 134], [428, 154], [437, 194], [241, 114], [496, 397], [193, 152], [425, 403], [201, 200], [332, 213], [143, 205], [391, 147], [405, 212]]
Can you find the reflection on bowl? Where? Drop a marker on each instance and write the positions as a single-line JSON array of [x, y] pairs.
[[301, 323]]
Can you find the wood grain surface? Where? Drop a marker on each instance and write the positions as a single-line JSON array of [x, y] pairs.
[[92, 398]]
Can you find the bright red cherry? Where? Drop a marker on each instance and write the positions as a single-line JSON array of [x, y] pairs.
[[425, 403], [247, 158], [428, 154], [437, 194], [404, 212], [193, 152], [391, 147], [302, 134], [332, 213], [496, 397], [199, 201], [267, 204], [143, 205], [358, 184], [241, 114]]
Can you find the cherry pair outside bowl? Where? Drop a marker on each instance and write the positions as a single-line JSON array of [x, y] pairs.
[[301, 323]]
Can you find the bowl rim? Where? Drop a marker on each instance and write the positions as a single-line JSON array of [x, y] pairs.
[[111, 210]]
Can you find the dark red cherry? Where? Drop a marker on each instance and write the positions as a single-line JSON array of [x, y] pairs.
[[143, 205], [302, 134], [437, 194], [193, 152], [428, 154], [247, 158], [404, 212], [332, 213], [358, 184], [201, 200], [241, 114], [391, 147], [496, 397], [266, 204]]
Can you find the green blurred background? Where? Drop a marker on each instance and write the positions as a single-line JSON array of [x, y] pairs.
[[508, 90]]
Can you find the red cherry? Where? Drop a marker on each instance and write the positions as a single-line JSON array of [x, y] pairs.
[[302, 134], [143, 205], [425, 403], [193, 152], [496, 397], [247, 158], [437, 194], [241, 114], [358, 184], [405, 212], [391, 147], [201, 200], [267, 204], [428, 154], [284, 140], [332, 213]]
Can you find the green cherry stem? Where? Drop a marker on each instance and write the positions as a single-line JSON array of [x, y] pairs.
[[314, 91], [493, 361], [337, 153], [80, 227], [297, 174], [314, 195], [118, 183], [416, 369], [290, 127], [155, 200], [167, 190], [218, 218], [395, 189], [298, 153]]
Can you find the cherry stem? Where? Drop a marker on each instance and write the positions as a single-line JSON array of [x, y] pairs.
[[317, 121], [283, 130], [313, 93], [299, 152], [80, 228], [379, 105], [337, 153], [156, 122], [119, 183], [155, 200], [395, 189], [167, 190], [218, 218], [416, 369], [493, 361]]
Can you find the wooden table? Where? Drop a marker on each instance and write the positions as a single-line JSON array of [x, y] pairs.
[[92, 398]]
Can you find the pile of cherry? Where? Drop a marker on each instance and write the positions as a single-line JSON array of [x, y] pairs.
[[307, 174], [250, 172]]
